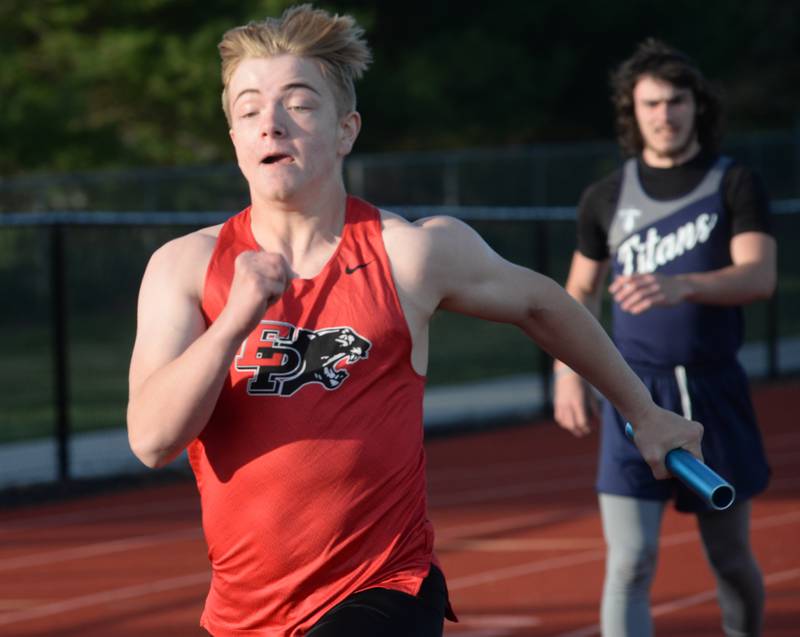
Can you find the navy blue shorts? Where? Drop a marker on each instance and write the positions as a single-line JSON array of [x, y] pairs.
[[719, 399]]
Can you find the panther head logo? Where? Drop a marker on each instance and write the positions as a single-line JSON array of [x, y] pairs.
[[288, 358]]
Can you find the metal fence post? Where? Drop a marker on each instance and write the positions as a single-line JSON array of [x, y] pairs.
[[60, 359], [451, 183], [542, 265]]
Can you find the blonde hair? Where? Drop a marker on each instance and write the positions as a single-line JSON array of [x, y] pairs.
[[336, 42]]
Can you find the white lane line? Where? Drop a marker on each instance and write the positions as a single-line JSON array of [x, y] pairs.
[[499, 621], [511, 523], [491, 625], [467, 536], [775, 520], [527, 568], [586, 631], [782, 576], [104, 597], [665, 608], [97, 549], [499, 468], [102, 514], [514, 545]]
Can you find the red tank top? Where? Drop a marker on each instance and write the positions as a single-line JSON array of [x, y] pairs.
[[311, 470]]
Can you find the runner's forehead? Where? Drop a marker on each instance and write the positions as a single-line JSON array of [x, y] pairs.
[[277, 75]]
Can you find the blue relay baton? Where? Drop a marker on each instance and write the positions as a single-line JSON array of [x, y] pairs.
[[705, 482]]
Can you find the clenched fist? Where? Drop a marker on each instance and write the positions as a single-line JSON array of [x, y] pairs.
[[259, 279]]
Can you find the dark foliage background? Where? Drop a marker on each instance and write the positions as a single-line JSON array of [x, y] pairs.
[[90, 84]]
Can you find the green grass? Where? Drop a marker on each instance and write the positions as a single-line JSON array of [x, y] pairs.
[[463, 349], [97, 382]]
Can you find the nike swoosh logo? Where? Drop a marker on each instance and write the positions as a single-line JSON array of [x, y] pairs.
[[349, 270]]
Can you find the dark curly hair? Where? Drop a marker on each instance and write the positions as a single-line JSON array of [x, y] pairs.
[[661, 61]]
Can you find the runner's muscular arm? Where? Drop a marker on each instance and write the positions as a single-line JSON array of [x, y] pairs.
[[585, 283], [467, 276], [178, 366], [751, 277]]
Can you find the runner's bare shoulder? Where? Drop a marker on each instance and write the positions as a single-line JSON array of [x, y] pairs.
[[181, 263]]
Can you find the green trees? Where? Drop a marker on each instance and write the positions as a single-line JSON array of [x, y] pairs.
[[92, 83]]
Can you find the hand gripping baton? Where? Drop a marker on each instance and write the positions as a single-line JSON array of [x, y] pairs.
[[705, 482]]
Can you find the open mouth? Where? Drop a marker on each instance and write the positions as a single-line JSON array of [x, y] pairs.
[[278, 158]]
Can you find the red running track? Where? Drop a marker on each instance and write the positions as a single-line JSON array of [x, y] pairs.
[[518, 534]]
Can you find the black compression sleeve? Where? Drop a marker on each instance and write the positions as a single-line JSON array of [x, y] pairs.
[[595, 210], [747, 201]]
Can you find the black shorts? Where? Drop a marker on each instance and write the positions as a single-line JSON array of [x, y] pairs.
[[388, 613]]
